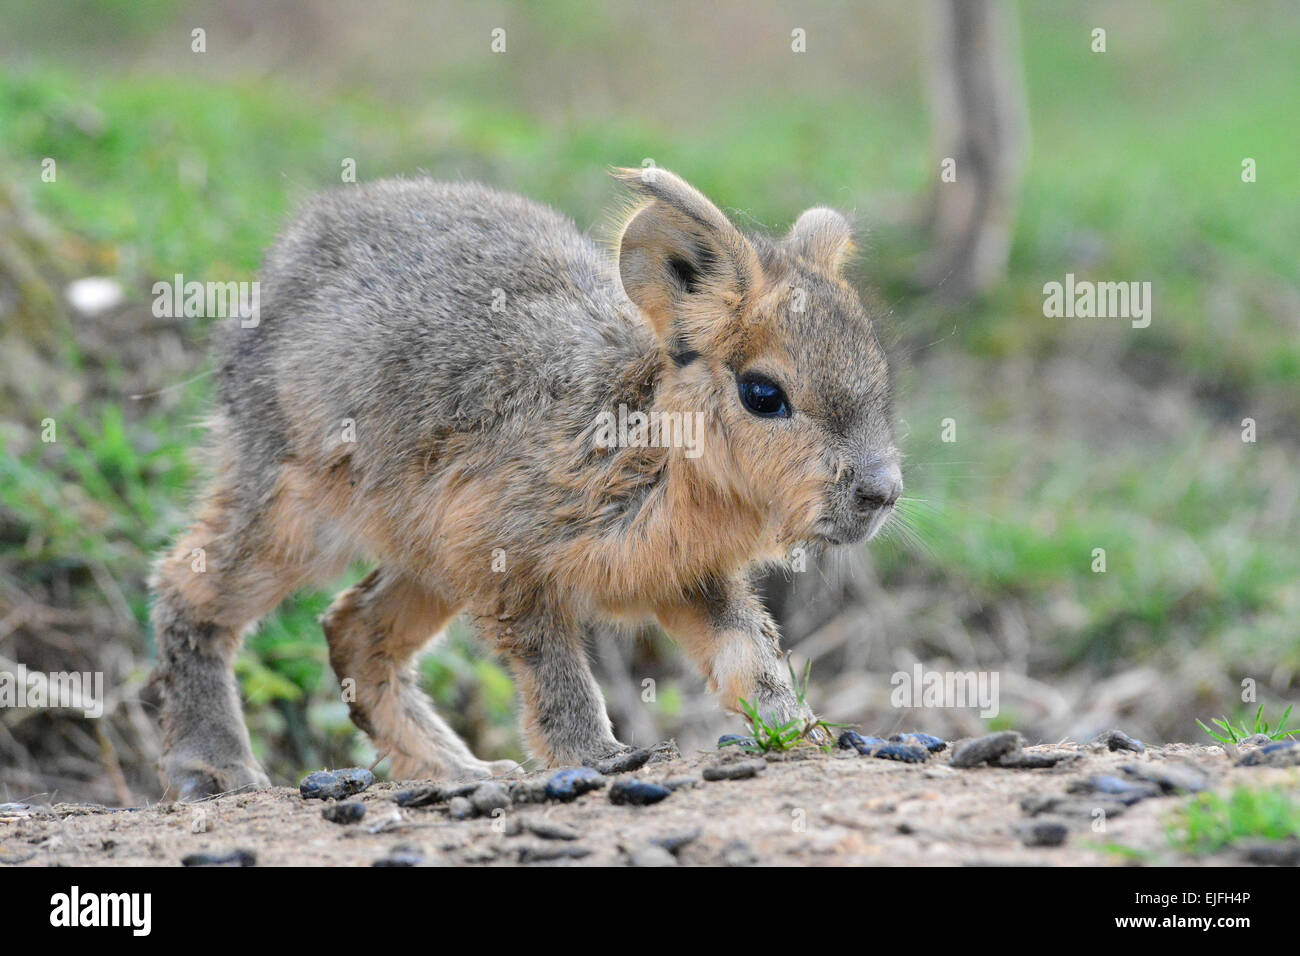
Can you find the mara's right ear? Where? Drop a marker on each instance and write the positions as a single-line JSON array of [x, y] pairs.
[[823, 237], [680, 259]]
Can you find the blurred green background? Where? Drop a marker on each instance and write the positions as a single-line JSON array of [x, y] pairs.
[[1071, 434]]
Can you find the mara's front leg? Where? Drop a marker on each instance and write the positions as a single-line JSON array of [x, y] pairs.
[[564, 716], [737, 646]]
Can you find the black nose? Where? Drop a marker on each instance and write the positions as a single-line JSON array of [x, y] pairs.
[[877, 488]]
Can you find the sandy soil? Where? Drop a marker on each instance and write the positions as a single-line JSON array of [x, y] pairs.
[[806, 808]]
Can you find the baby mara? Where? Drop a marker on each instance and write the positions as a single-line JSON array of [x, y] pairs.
[[383, 407]]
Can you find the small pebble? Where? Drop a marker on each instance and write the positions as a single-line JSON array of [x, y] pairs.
[[437, 793], [480, 853], [233, 858], [401, 856], [1034, 759], [570, 784], [1172, 777], [735, 740], [549, 830], [528, 791], [682, 783], [335, 784], [982, 750], [1282, 753], [1256, 740], [1118, 740], [673, 842], [542, 852], [1073, 806], [1044, 833], [488, 798], [419, 797], [738, 853], [738, 770], [1271, 852], [459, 808], [622, 763], [343, 812], [1122, 790], [637, 793], [650, 855]]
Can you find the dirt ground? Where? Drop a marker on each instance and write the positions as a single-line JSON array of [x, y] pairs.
[[806, 808]]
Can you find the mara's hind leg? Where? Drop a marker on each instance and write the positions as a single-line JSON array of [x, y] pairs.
[[374, 629], [218, 580]]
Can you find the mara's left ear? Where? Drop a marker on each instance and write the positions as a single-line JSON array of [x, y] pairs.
[[680, 259], [823, 237]]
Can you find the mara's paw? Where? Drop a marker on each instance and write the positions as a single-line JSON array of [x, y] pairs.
[[190, 780]]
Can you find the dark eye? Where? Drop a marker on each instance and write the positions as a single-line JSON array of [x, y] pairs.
[[762, 396]]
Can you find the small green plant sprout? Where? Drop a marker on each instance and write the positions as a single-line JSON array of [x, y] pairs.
[[1211, 822], [1235, 735], [768, 737]]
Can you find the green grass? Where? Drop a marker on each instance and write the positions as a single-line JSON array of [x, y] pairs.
[[767, 736], [1229, 734], [1210, 822]]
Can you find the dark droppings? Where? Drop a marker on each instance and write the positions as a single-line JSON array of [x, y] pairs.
[[637, 793], [550, 830], [233, 858], [419, 797], [344, 812], [1170, 777], [1284, 753], [1271, 852], [933, 744], [335, 784], [673, 842], [544, 852], [489, 797], [982, 750], [1034, 759], [400, 856], [437, 793], [1116, 787], [622, 763], [1118, 740], [1078, 806], [570, 784], [884, 749], [739, 770], [1044, 833]]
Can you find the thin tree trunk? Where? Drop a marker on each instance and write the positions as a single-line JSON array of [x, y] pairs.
[[979, 133]]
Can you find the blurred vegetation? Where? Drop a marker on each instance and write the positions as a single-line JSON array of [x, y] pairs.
[[1211, 822], [1071, 434]]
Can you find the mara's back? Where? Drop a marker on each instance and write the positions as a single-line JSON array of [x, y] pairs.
[[450, 305]]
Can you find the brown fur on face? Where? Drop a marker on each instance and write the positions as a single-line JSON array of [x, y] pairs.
[[386, 408]]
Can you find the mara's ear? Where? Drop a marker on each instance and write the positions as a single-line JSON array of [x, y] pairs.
[[823, 237], [680, 257]]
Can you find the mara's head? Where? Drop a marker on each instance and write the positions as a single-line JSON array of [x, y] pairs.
[[767, 339]]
